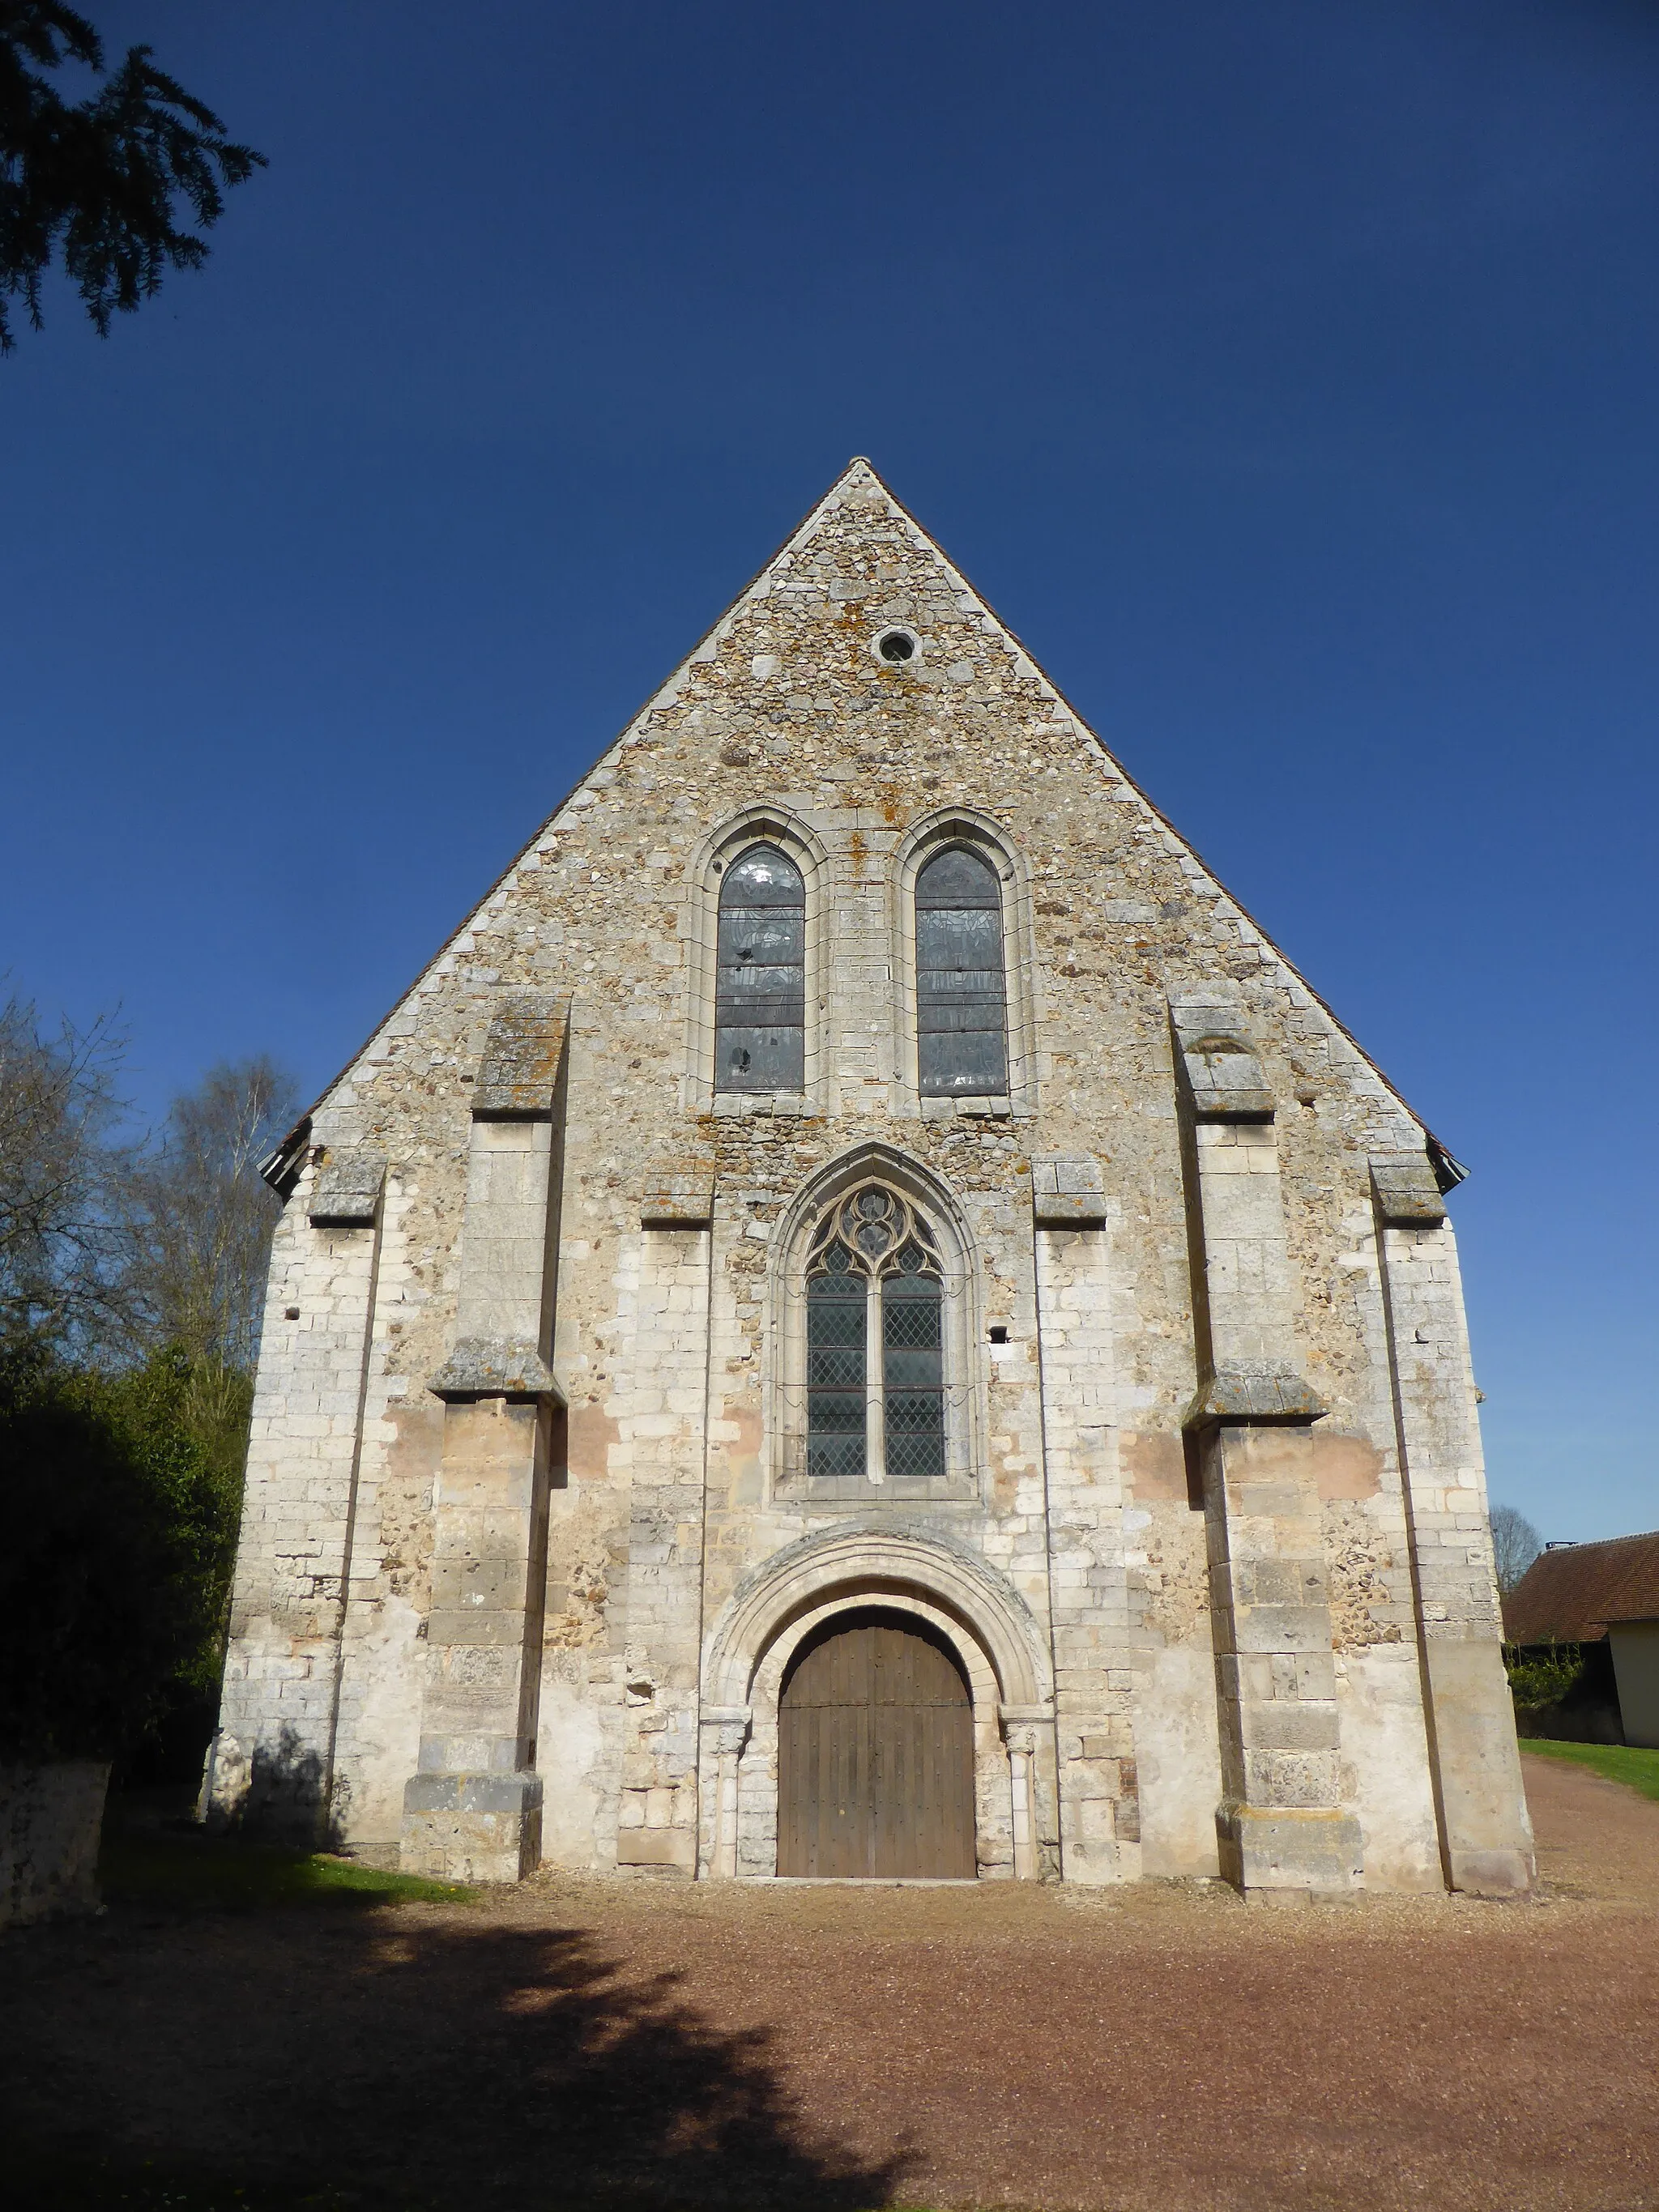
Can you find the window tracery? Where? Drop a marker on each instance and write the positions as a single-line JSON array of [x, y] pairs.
[[875, 1342]]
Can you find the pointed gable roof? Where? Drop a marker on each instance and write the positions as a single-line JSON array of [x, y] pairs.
[[859, 480]]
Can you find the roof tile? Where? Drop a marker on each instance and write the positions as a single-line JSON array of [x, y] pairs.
[[1569, 1597]]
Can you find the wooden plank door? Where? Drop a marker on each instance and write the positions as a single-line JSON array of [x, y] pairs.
[[875, 1753]]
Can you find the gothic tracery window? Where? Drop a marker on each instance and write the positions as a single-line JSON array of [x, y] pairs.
[[760, 988], [875, 1354], [962, 1000]]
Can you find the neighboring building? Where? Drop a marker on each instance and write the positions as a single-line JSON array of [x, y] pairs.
[[1599, 1594], [860, 1318]]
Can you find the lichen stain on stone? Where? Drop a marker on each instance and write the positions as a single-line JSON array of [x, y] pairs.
[[1154, 1466], [743, 1454], [592, 1433], [1348, 1468]]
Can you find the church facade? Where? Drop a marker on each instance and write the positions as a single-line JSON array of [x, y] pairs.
[[860, 1320]]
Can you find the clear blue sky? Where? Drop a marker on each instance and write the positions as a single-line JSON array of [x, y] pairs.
[[1286, 374]]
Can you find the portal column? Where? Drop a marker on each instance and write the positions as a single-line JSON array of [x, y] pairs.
[[1280, 1824], [725, 1732], [472, 1811], [1023, 1734]]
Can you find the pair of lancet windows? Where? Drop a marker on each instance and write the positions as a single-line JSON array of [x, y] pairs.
[[962, 1000]]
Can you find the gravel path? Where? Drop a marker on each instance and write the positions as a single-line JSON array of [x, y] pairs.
[[603, 2045]]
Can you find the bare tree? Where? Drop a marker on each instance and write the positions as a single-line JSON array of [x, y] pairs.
[[63, 1276], [200, 1219], [1516, 1544]]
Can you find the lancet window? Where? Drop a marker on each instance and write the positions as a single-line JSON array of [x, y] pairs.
[[760, 986], [875, 1350], [962, 997]]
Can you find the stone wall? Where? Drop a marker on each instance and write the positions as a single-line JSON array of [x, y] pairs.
[[51, 1819], [1074, 1200]]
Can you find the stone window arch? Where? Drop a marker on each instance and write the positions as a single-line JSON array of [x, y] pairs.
[[875, 1385], [964, 970], [753, 925]]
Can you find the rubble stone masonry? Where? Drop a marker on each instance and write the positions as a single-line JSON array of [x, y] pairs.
[[531, 1533]]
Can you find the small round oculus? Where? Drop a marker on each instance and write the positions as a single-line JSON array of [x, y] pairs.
[[895, 646]]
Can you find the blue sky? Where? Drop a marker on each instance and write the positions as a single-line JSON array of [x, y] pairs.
[[1285, 375]]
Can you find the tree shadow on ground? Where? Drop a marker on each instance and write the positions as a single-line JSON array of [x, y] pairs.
[[385, 2060]]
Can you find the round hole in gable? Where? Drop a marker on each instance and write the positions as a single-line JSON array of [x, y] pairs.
[[895, 646]]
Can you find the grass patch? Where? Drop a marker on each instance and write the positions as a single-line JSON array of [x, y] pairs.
[[183, 1869], [1617, 1762]]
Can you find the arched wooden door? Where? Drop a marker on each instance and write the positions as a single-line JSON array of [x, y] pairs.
[[875, 1753]]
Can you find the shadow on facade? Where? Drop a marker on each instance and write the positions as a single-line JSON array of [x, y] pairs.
[[387, 2062], [279, 1796]]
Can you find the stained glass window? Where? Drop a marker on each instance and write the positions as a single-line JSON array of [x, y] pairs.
[[760, 989], [913, 1374], [837, 1390], [875, 1344], [961, 1010]]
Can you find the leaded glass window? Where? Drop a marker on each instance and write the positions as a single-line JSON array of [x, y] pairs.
[[875, 1350], [913, 1373], [962, 1000], [760, 988], [837, 1386]]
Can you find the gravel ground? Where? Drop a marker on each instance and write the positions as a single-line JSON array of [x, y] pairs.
[[606, 2044]]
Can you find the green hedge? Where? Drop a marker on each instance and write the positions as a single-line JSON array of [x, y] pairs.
[[1545, 1678], [120, 1524]]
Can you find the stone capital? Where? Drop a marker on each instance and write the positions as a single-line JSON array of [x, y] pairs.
[[727, 1727]]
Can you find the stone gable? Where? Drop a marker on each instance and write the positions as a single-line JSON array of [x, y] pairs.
[[1166, 1253]]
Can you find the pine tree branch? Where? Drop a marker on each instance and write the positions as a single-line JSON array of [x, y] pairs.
[[99, 182]]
